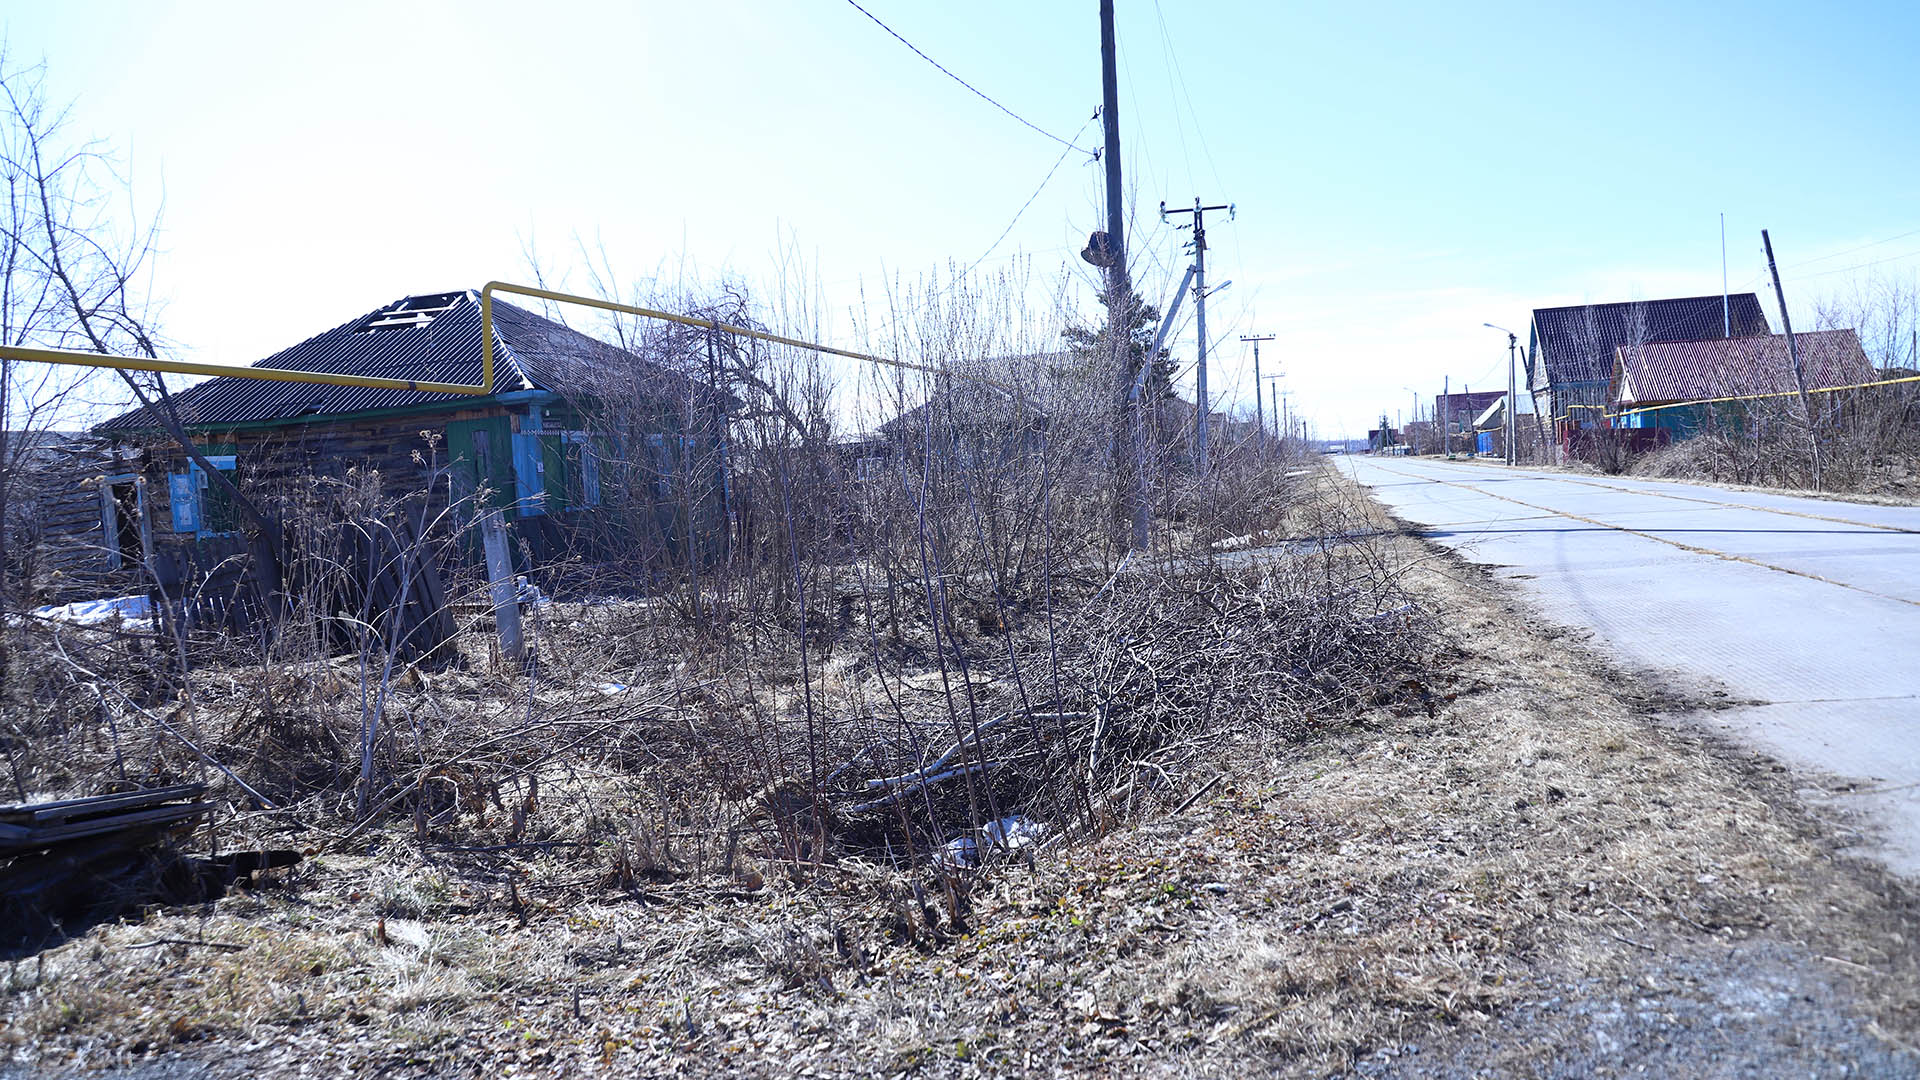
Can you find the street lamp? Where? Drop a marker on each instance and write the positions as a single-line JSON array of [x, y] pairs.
[[1513, 427]]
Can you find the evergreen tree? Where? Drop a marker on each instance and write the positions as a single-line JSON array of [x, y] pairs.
[[1091, 351]]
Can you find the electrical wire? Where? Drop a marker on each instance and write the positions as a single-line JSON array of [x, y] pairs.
[[1199, 130], [976, 90], [1036, 194], [1861, 266], [1851, 250]]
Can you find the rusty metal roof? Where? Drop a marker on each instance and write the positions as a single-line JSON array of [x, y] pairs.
[[1668, 371], [433, 336]]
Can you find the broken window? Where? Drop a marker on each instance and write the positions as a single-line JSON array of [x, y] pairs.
[[199, 507]]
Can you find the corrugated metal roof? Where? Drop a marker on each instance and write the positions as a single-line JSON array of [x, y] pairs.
[[531, 353], [1669, 371], [1577, 343]]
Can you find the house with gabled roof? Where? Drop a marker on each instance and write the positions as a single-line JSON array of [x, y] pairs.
[[1571, 350], [538, 447], [1686, 387]]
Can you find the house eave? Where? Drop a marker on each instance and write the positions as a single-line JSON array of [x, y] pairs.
[[511, 397]]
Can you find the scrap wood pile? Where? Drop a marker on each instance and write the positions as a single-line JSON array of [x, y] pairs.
[[102, 853]]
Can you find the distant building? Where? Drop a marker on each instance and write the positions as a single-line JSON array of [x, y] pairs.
[[1457, 413]]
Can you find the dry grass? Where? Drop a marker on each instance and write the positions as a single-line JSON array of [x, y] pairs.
[[1409, 874]]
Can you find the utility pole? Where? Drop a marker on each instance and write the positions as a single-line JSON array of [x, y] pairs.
[[1279, 424], [1202, 420], [1793, 353], [1513, 399], [1109, 250], [1446, 425], [1259, 411]]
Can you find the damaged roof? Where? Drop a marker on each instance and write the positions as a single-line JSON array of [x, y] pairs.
[[431, 337]]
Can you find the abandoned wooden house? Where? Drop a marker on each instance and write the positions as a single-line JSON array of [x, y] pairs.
[[588, 449], [1570, 350], [72, 509]]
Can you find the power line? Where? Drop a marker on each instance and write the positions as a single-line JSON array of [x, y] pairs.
[[1851, 250], [1862, 266], [1175, 71], [1036, 194], [977, 91]]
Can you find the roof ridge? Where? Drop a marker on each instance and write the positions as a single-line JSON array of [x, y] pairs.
[[1661, 300]]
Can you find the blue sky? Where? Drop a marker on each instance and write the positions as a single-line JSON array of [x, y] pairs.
[[1403, 173]]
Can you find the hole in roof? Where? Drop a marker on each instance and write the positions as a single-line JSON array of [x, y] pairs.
[[408, 314]]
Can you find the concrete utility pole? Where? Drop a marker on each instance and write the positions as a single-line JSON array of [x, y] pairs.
[[1509, 421], [1259, 412], [1273, 390], [1512, 344], [1793, 353], [1202, 419], [1446, 426]]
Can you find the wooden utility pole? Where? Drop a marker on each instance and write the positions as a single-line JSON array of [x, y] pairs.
[[1793, 353], [1108, 250], [1259, 411]]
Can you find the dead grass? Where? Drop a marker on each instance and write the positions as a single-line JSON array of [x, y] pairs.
[[1415, 872]]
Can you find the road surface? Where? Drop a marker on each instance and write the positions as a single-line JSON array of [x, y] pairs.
[[1806, 610]]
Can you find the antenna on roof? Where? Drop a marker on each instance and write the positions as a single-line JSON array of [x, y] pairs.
[[1727, 308]]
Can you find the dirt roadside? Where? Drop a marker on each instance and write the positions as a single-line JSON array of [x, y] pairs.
[[1541, 873]]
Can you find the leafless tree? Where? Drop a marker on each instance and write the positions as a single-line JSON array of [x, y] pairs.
[[78, 257]]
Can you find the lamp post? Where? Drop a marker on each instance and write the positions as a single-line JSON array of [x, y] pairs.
[[1513, 404]]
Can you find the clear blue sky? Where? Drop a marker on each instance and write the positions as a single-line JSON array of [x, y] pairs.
[[1403, 172]]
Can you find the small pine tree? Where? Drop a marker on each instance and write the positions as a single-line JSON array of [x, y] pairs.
[[1090, 349]]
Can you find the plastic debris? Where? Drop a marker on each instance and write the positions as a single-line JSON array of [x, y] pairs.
[[529, 594], [132, 609], [1013, 833], [1403, 612]]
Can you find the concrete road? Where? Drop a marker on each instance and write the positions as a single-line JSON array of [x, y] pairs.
[[1808, 610]]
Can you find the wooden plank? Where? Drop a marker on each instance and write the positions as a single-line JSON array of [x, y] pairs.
[[56, 834], [89, 804]]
